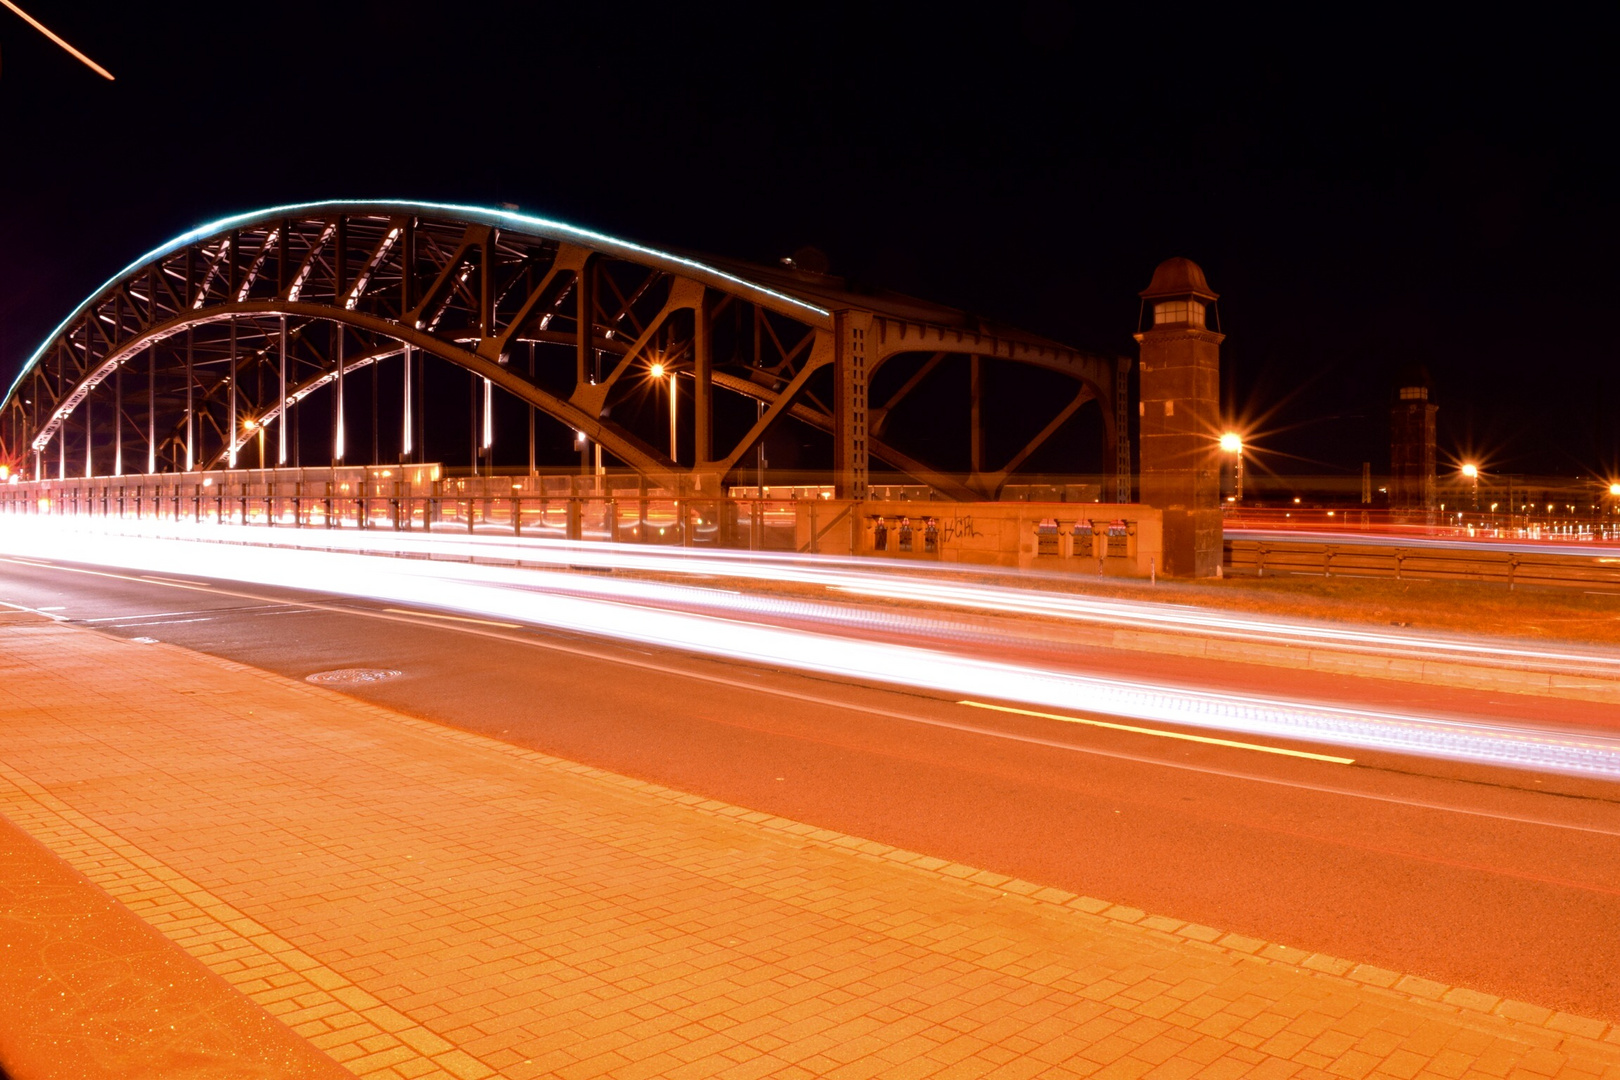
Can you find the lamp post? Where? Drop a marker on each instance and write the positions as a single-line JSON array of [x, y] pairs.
[[1232, 443], [252, 426], [1470, 472], [659, 371]]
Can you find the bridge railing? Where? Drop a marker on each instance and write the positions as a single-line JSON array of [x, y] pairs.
[[412, 499], [1093, 538]]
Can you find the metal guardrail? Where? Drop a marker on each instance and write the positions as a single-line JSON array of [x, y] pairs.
[[1499, 562]]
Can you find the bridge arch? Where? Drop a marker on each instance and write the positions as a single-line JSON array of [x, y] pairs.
[[210, 340]]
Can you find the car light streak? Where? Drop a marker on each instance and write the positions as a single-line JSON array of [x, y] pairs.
[[915, 585], [1160, 733], [446, 587]]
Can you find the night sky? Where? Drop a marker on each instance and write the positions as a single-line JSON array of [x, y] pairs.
[[1365, 193]]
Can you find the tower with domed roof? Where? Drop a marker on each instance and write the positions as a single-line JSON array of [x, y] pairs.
[[1180, 370], [1413, 488]]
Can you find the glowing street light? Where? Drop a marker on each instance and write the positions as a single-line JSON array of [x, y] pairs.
[[657, 369], [249, 426], [1614, 489], [1232, 443], [1470, 471]]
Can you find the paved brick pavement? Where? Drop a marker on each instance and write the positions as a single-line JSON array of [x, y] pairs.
[[418, 901]]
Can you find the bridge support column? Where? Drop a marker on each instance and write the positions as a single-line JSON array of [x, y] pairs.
[[852, 344], [702, 392]]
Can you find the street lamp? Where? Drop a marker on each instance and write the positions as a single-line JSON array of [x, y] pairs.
[[250, 426], [1471, 472], [658, 370], [1232, 443]]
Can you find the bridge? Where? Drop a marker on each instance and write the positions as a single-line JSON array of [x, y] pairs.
[[297, 335]]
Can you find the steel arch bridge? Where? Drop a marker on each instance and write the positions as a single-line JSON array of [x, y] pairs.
[[211, 348]]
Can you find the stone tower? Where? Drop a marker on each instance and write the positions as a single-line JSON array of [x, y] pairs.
[[1180, 416], [1412, 487]]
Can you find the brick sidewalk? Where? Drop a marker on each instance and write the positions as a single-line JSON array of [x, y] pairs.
[[419, 901]]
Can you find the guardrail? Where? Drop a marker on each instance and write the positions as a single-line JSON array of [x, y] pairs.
[[1500, 562]]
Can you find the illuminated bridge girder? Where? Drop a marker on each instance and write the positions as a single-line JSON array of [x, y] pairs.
[[212, 351]]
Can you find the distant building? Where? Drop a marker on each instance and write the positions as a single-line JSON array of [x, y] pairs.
[[1412, 485]]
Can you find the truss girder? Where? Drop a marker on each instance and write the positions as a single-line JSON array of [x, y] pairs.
[[466, 285]]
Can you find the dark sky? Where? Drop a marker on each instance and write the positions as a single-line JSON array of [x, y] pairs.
[[1366, 192]]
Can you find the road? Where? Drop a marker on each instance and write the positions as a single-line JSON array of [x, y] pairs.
[[1501, 880]]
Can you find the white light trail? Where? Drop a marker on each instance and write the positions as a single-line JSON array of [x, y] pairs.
[[499, 594], [917, 584]]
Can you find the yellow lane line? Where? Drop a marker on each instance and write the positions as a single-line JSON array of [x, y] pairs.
[[1163, 734], [452, 618]]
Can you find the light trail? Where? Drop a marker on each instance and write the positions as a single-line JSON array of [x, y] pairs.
[[488, 593], [1162, 734], [42, 28], [909, 583]]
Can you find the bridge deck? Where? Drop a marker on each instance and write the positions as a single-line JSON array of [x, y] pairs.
[[417, 901]]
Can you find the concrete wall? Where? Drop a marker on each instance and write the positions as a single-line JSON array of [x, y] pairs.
[[1114, 538]]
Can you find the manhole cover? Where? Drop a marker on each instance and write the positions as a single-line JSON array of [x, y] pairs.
[[352, 676]]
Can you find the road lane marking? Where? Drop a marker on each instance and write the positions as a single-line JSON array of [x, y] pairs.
[[533, 642], [1161, 733], [263, 608], [452, 618], [173, 581], [35, 611]]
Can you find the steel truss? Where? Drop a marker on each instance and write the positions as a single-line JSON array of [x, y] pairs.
[[205, 353]]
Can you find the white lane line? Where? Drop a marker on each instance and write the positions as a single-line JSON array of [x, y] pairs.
[[1161, 733], [36, 611], [157, 615], [157, 622], [532, 642]]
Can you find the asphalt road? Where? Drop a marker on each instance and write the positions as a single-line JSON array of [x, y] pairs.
[[1498, 880]]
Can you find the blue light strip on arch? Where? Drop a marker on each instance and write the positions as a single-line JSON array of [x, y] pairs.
[[509, 219]]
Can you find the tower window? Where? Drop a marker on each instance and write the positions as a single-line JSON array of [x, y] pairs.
[[1178, 311], [1414, 393]]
